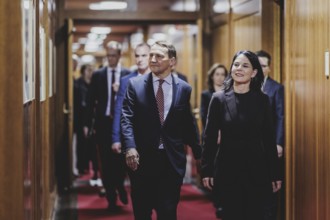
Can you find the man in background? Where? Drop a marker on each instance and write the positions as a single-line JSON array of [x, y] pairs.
[[103, 90], [81, 87], [275, 92], [141, 54]]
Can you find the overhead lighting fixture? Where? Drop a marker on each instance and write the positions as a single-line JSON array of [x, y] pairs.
[[108, 5], [101, 30]]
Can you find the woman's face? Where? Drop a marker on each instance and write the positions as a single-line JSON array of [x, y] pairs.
[[242, 70], [219, 76]]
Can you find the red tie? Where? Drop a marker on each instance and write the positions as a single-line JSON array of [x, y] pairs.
[[113, 93], [160, 101]]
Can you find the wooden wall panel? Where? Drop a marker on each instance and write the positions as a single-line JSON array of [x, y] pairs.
[[220, 39], [247, 33], [11, 111], [307, 109]]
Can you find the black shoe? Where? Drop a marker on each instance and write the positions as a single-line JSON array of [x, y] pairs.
[[113, 208], [102, 192], [219, 212], [123, 196]]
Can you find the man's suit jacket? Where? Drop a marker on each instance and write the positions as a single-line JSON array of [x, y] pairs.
[[275, 92], [182, 76], [141, 127], [98, 97], [118, 106]]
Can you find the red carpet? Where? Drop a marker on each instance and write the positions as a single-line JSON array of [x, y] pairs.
[[193, 205]]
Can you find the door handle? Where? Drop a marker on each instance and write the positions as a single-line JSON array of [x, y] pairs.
[[66, 110]]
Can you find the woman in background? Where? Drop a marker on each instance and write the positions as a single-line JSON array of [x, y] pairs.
[[215, 78]]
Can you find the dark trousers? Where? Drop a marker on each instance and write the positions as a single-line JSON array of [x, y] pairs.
[[244, 200], [83, 144], [92, 154], [159, 190], [113, 171], [275, 205]]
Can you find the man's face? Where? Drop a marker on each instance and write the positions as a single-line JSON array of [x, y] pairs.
[[264, 65], [113, 57], [159, 62], [142, 58]]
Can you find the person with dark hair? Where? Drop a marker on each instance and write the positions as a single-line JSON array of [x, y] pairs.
[[215, 78], [103, 90], [80, 94], [275, 92], [141, 54], [244, 168], [156, 124]]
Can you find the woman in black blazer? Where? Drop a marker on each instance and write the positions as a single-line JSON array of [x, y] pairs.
[[215, 78], [244, 168]]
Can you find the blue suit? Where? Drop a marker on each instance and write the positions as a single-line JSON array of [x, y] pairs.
[[275, 92], [112, 164], [157, 181], [119, 105]]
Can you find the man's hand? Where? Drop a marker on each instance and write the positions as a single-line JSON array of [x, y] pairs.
[[279, 151], [208, 182], [276, 185], [116, 147], [85, 129], [115, 87], [132, 159]]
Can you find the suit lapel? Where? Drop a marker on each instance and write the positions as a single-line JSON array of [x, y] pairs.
[[231, 104], [104, 79]]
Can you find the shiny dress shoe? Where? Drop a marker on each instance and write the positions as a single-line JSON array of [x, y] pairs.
[[113, 208], [219, 212], [102, 192], [123, 196]]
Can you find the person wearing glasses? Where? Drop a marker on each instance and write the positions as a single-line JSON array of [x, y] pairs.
[[103, 90], [275, 92]]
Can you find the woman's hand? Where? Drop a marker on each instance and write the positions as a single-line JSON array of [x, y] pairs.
[[276, 185], [208, 182]]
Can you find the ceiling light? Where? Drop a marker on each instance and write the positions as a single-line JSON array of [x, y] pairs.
[[101, 30], [82, 40], [159, 36], [108, 5], [87, 58]]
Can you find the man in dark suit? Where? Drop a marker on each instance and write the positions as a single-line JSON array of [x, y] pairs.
[[156, 123], [103, 89], [275, 92], [141, 54], [178, 74]]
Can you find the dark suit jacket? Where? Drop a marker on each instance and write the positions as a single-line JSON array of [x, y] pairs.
[[246, 149], [98, 95], [80, 95], [141, 128], [205, 101], [182, 76], [275, 92], [119, 105]]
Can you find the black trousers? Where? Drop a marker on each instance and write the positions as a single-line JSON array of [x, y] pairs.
[[83, 145], [159, 190], [113, 166]]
